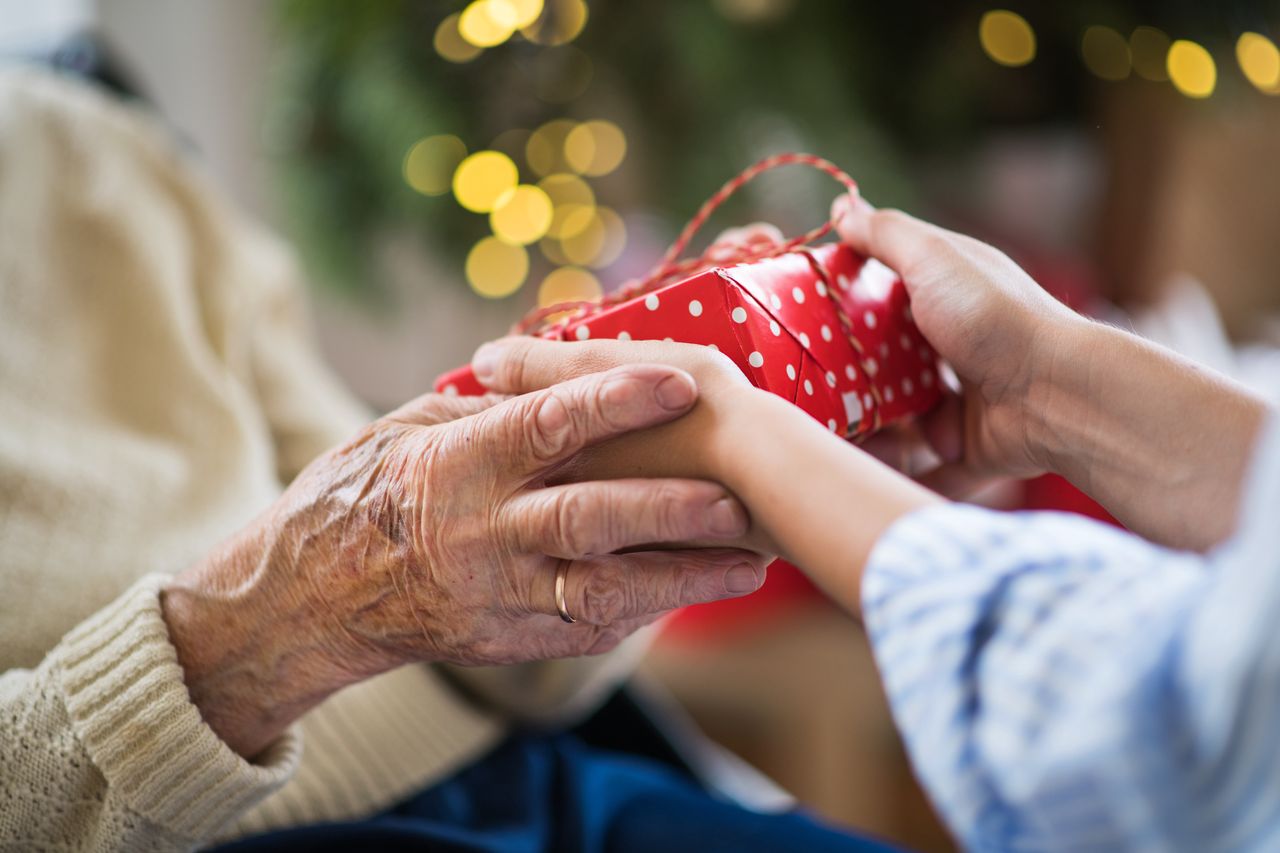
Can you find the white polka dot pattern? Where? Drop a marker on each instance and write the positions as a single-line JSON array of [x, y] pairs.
[[840, 344]]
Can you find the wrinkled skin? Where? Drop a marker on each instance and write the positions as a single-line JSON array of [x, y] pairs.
[[465, 538], [433, 535]]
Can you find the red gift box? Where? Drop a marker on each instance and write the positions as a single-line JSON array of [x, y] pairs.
[[823, 327]]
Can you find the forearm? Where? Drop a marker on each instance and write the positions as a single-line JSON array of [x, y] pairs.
[[821, 502], [253, 654], [1159, 441], [105, 721]]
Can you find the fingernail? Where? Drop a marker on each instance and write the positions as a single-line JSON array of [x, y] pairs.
[[675, 393], [484, 364], [741, 579], [726, 518]]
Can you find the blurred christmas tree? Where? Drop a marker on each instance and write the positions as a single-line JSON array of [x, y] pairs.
[[544, 143]]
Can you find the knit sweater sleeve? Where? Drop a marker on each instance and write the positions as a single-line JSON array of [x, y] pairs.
[[104, 750]]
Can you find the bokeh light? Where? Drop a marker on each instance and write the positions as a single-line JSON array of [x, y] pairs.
[[521, 215], [1260, 61], [598, 237], [486, 23], [482, 178], [430, 163], [511, 142], [1191, 68], [551, 250], [568, 284], [1105, 53], [753, 11], [496, 269], [561, 22], [1007, 38], [450, 44], [527, 11], [595, 147], [1148, 48], [545, 149], [568, 194]]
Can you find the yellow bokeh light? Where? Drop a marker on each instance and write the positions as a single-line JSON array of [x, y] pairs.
[[1260, 61], [496, 269], [568, 284], [560, 22], [598, 237], [1191, 69], [450, 44], [1148, 48], [521, 215], [545, 149], [595, 147], [487, 23], [1106, 53], [615, 236], [430, 163], [551, 250], [1007, 38], [568, 193], [527, 11], [482, 178]]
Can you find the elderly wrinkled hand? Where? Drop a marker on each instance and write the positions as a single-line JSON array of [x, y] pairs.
[[436, 535]]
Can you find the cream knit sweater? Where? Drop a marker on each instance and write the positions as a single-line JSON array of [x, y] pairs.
[[157, 386]]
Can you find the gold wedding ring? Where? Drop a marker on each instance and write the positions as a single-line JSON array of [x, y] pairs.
[[562, 575]]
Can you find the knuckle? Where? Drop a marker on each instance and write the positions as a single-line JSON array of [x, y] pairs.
[[940, 246], [606, 597], [608, 396], [512, 367], [672, 507], [575, 524], [889, 217], [548, 425], [689, 587]]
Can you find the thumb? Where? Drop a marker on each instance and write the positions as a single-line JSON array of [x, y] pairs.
[[896, 239]]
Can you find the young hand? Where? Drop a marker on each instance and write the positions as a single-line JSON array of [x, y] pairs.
[[1159, 441], [992, 323]]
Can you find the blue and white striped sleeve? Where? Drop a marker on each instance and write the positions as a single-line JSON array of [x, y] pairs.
[[1062, 685]]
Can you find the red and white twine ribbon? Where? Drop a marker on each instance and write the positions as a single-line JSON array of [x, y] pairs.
[[672, 267]]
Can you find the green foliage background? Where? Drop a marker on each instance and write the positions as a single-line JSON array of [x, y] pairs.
[[875, 87]]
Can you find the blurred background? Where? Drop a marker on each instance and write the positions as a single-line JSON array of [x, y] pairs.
[[443, 167]]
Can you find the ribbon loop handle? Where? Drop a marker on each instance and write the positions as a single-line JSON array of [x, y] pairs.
[[671, 264]]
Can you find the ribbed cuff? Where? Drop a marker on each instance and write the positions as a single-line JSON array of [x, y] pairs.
[[129, 706]]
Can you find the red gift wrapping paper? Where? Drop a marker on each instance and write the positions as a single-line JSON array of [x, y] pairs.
[[823, 327]]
